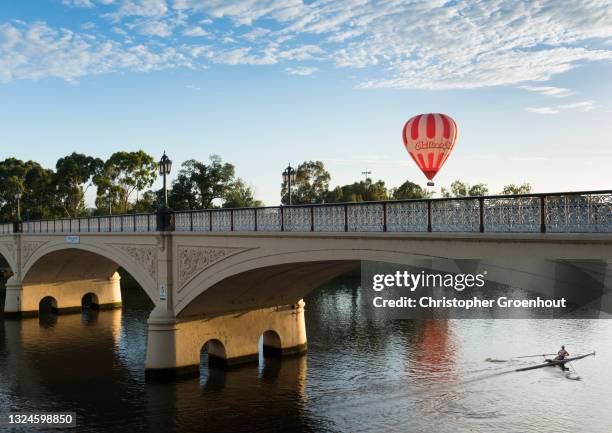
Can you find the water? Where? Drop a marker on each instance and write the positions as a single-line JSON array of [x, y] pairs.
[[360, 375]]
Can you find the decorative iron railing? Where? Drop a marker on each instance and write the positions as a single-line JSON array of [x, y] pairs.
[[570, 212]]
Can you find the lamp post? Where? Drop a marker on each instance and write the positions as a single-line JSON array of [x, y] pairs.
[[18, 199], [288, 179], [165, 215], [165, 165]]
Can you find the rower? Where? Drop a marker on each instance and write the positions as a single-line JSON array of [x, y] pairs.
[[562, 354]]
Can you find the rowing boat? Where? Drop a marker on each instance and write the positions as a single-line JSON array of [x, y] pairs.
[[553, 362]]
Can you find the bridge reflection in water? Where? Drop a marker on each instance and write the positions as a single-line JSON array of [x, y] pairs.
[[361, 374]]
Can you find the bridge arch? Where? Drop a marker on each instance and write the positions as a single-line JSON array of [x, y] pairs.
[[215, 350], [7, 251], [48, 304], [256, 280], [90, 300], [271, 343], [62, 262]]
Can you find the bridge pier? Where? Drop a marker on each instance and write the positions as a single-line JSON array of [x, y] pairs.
[[175, 345], [14, 294], [67, 296]]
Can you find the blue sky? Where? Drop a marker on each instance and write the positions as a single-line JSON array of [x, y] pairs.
[[264, 83]]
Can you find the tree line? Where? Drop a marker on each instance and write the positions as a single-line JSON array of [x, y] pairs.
[[312, 185], [123, 185]]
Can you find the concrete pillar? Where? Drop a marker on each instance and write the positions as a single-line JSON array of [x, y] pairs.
[[174, 346], [14, 295]]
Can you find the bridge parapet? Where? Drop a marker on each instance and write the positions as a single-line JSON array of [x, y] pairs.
[[568, 212]]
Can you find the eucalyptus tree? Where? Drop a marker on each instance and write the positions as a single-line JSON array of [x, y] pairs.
[[198, 184], [73, 177], [122, 175], [311, 184]]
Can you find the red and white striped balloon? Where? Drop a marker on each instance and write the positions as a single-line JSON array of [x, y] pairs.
[[430, 139]]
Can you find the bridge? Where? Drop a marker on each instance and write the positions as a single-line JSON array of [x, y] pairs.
[[225, 277]]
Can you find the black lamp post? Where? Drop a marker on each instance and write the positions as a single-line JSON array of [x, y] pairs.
[[18, 199], [165, 165], [165, 215], [288, 179]]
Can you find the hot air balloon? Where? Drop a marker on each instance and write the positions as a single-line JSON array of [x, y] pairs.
[[430, 139]]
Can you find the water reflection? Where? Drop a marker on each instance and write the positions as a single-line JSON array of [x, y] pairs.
[[361, 373]]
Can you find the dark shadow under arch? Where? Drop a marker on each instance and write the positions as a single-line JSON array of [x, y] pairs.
[[271, 344], [213, 354], [90, 302], [48, 304]]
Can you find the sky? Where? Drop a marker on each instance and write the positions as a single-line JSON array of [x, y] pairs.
[[271, 82]]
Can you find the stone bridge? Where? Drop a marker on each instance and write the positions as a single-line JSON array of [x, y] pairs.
[[226, 277]]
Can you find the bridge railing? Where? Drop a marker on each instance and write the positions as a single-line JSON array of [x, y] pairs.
[[571, 212], [97, 224]]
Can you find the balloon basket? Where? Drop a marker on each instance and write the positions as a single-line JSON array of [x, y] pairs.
[[430, 184]]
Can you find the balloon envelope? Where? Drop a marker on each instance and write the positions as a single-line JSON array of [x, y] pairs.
[[430, 139]]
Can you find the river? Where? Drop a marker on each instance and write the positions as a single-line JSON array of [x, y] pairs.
[[360, 375]]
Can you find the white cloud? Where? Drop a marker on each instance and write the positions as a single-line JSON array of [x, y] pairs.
[[195, 32], [582, 106], [37, 51], [301, 70], [438, 44], [78, 3], [558, 92], [155, 28], [140, 8]]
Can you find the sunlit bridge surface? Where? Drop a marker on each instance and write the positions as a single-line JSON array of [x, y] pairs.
[[360, 374]]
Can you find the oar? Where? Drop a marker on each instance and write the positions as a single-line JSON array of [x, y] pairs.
[[533, 356]]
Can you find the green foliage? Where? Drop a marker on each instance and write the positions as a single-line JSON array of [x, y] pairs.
[[73, 173], [517, 189], [359, 191], [123, 174], [198, 184], [311, 184], [408, 190], [33, 182], [240, 195], [463, 189]]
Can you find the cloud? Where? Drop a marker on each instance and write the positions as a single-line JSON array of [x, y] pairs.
[[301, 70], [558, 92], [154, 28], [37, 51], [582, 106], [195, 32], [438, 44]]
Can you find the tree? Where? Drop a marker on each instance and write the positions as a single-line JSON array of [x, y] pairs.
[[148, 202], [73, 172], [240, 195], [463, 189], [480, 189], [525, 188], [408, 190], [123, 174], [30, 180], [311, 184], [198, 184], [39, 199], [359, 191]]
